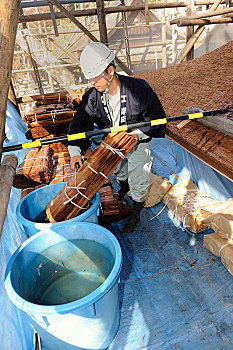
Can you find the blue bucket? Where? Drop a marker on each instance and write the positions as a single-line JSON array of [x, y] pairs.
[[41, 279], [35, 202]]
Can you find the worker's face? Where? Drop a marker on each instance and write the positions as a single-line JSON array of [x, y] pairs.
[[99, 82]]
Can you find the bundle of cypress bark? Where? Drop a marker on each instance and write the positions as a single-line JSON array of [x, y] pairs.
[[62, 170], [28, 190], [22, 177], [55, 114], [35, 169], [42, 167], [108, 202], [37, 131], [50, 98], [76, 194]]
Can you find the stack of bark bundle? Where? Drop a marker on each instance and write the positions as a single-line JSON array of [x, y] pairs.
[[76, 194], [36, 168], [51, 115], [220, 243], [108, 203], [61, 170], [51, 98], [188, 205]]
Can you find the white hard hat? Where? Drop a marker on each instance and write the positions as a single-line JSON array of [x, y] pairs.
[[94, 59]]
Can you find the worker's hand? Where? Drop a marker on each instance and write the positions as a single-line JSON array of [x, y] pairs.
[[88, 153], [134, 134], [76, 162]]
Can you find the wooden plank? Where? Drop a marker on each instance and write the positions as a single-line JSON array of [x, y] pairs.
[[9, 14], [210, 146], [7, 172], [190, 44]]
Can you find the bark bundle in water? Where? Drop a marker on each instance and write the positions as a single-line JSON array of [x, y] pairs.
[[75, 196]]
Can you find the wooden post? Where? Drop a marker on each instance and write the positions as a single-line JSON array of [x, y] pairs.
[[147, 12], [32, 62], [125, 27], [102, 21], [190, 44], [9, 14], [204, 21], [12, 97], [7, 172], [92, 37], [164, 39], [190, 30], [208, 14]]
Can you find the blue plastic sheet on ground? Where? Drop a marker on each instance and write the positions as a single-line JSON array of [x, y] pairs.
[[174, 294], [15, 331]]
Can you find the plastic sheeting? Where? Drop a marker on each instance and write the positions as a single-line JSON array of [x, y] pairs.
[[15, 331], [170, 158], [165, 303]]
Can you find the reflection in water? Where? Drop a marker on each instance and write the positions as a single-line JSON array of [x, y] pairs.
[[65, 272]]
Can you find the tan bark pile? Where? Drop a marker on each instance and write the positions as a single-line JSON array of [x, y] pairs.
[[195, 83]]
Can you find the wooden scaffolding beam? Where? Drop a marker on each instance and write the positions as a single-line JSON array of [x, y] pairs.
[[204, 15], [190, 30], [116, 9], [7, 172], [102, 21], [9, 14], [190, 44], [204, 21], [92, 37]]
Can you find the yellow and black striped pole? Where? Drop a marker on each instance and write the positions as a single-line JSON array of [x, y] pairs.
[[129, 127]]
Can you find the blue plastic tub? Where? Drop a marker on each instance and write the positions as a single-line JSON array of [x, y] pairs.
[[41, 279], [35, 202]]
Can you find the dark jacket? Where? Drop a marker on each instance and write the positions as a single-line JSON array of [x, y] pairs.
[[139, 103]]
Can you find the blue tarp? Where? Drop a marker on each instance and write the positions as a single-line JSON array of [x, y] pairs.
[[15, 331], [166, 301]]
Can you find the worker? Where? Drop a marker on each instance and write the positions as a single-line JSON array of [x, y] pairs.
[[115, 100]]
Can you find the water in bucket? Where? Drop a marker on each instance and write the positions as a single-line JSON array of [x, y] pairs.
[[65, 272]]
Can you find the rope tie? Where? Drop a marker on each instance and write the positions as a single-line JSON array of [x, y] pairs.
[[94, 171], [59, 98], [222, 248], [114, 150], [78, 188], [53, 115], [103, 175], [33, 166]]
